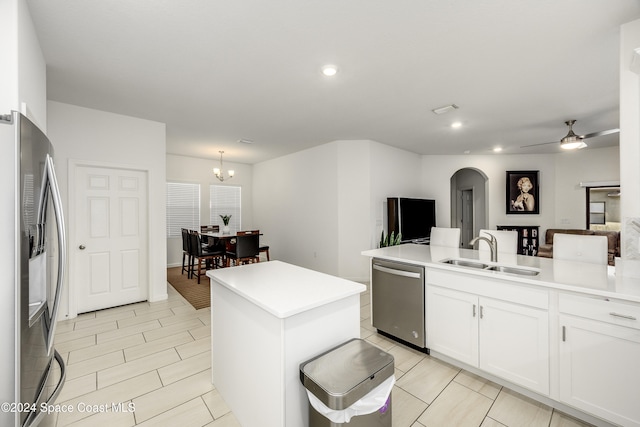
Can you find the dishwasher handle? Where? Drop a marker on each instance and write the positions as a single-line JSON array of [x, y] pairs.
[[396, 272]]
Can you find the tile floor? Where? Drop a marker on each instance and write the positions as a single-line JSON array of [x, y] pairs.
[[156, 357]]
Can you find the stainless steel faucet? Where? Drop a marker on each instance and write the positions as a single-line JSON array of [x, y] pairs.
[[493, 245]]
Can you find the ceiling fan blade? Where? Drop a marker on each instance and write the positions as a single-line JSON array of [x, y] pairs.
[[544, 143], [601, 133]]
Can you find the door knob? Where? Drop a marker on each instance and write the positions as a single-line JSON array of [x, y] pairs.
[[82, 247]]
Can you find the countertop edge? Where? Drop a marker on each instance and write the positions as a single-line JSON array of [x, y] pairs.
[[539, 282], [353, 288]]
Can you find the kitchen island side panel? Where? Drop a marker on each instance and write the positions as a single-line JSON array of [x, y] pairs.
[[256, 355]]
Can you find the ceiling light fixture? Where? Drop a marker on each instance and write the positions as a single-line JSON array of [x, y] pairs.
[[219, 172], [497, 149], [329, 70], [456, 125], [572, 141]]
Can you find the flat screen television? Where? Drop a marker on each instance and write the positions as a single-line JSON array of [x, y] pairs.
[[411, 217]]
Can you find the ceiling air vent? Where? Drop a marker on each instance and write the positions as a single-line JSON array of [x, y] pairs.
[[445, 109]]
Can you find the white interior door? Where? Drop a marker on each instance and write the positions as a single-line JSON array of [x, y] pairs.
[[110, 254]]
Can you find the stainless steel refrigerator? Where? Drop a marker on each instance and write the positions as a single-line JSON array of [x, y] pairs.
[[32, 262]]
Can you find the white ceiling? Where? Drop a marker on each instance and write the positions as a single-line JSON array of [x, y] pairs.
[[218, 71]]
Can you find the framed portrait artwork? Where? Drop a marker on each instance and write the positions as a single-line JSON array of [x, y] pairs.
[[523, 192]]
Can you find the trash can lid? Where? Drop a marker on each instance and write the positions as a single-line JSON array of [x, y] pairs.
[[346, 373]]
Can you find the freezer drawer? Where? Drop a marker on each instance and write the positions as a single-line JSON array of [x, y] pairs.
[[398, 301]]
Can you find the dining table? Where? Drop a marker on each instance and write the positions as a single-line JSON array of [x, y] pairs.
[[214, 238], [220, 236]]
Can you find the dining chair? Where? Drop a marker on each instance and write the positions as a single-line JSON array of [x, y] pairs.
[[261, 248], [583, 248], [186, 253], [442, 236], [265, 249], [209, 241], [246, 248], [209, 257], [248, 232], [507, 240]]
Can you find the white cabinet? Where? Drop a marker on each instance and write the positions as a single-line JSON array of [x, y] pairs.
[[514, 341], [452, 325], [599, 356], [502, 338]]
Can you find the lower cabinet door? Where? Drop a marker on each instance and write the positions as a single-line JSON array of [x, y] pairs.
[[452, 324], [599, 370], [514, 343]]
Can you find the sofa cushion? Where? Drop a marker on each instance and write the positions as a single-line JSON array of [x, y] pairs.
[[548, 237]]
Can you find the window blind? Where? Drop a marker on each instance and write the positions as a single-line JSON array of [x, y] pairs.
[[183, 207], [225, 200]]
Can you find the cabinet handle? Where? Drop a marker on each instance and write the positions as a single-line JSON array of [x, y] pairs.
[[564, 333], [623, 316], [474, 310], [396, 272], [481, 312]]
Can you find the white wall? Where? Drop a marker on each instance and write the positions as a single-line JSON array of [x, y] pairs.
[[562, 200], [438, 170], [83, 134], [581, 166], [199, 171], [296, 204], [394, 173], [22, 65], [630, 146], [322, 194], [354, 188], [9, 58], [629, 119], [32, 71], [323, 206]]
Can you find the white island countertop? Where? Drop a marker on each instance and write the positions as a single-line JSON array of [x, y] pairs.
[[284, 289], [587, 278]]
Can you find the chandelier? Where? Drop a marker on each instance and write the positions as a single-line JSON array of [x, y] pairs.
[[219, 172]]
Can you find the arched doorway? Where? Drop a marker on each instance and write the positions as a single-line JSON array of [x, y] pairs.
[[469, 203]]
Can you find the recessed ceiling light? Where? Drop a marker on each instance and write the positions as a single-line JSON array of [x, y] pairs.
[[329, 70], [245, 141], [456, 125], [497, 149]]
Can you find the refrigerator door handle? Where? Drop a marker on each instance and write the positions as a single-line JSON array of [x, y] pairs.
[[62, 248], [54, 394]]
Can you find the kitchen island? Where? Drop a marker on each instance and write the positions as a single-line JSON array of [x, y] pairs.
[[564, 333], [266, 319]]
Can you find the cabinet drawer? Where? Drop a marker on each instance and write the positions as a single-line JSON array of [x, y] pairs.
[[498, 288], [614, 312]]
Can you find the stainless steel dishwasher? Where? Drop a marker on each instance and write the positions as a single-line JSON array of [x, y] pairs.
[[397, 299]]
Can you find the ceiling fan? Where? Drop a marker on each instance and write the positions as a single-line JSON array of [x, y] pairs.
[[572, 141]]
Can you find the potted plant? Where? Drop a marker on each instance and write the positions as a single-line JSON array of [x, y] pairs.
[[391, 240], [225, 221]]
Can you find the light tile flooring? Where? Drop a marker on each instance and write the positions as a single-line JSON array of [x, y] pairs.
[[155, 357]]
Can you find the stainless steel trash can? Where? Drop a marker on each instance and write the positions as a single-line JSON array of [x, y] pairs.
[[344, 375]]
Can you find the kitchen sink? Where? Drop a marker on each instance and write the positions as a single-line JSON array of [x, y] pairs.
[[513, 270], [488, 267], [465, 263]]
